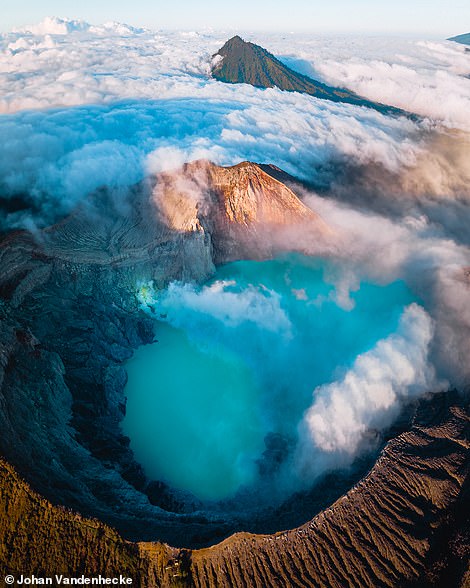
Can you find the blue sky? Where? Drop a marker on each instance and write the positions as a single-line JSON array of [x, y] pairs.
[[423, 17]]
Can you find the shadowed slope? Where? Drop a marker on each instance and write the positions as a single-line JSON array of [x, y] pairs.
[[239, 62], [387, 531]]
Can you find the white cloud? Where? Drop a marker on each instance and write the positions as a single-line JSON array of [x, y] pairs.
[[417, 251], [151, 92], [428, 78], [114, 61], [46, 153], [369, 396], [53, 25]]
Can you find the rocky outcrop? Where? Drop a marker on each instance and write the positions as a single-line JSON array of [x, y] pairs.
[[247, 212]]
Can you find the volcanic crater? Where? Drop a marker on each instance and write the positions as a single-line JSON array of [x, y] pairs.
[[71, 318]]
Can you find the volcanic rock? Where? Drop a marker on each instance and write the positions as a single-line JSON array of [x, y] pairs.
[[247, 212], [70, 316], [464, 39], [241, 62], [404, 524]]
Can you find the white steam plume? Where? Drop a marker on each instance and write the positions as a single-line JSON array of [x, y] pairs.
[[260, 307], [370, 395]]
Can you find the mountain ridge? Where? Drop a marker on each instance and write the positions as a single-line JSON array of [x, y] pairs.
[[239, 61], [463, 39], [247, 211]]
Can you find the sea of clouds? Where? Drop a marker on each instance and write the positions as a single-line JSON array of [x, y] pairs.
[[143, 101], [84, 106]]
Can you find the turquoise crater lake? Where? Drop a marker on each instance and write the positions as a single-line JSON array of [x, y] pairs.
[[238, 359]]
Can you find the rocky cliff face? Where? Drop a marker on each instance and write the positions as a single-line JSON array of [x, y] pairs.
[[70, 318], [247, 212], [404, 524]]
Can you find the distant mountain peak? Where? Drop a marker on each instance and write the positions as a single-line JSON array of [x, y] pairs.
[[243, 62], [235, 39], [464, 39]]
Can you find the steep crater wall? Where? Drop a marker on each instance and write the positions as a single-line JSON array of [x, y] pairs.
[[71, 317]]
